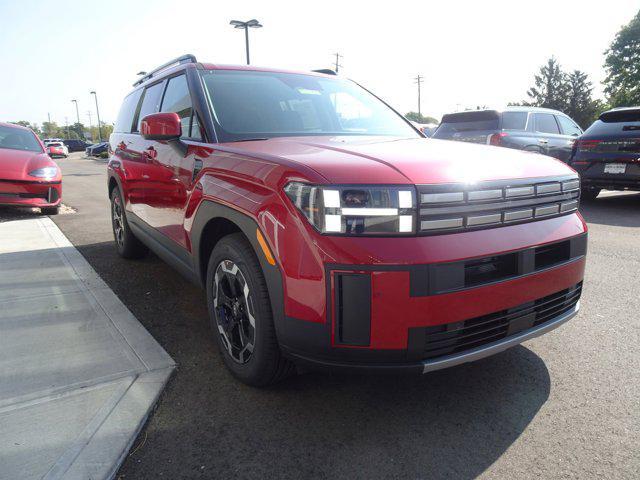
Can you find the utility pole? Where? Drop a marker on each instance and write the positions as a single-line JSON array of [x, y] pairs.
[[419, 79], [246, 26], [90, 124], [66, 124], [49, 125], [338, 57]]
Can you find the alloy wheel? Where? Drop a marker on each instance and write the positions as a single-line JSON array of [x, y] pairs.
[[118, 220], [234, 311]]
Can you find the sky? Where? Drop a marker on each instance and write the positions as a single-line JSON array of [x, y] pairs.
[[469, 52]]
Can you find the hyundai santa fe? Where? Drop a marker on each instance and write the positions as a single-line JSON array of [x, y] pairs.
[[329, 233]]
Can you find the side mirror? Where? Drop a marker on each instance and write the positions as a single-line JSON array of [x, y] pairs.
[[161, 126]]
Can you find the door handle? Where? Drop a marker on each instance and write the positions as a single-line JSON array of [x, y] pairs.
[[542, 140], [197, 167]]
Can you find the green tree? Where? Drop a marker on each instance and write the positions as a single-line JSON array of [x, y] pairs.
[[550, 89], [106, 128], [418, 118], [32, 126], [622, 64], [580, 104]]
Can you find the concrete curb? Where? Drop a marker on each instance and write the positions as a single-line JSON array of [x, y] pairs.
[[79, 374]]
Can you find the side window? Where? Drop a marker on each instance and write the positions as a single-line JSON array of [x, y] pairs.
[[514, 120], [127, 112], [546, 123], [150, 102], [177, 99], [568, 127]]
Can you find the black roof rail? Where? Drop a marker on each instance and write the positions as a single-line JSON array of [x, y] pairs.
[[188, 58], [326, 71]]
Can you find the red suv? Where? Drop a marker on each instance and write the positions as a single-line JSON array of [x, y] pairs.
[[328, 232]]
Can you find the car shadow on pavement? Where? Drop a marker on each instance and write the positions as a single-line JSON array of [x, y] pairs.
[[622, 210], [453, 423], [8, 214]]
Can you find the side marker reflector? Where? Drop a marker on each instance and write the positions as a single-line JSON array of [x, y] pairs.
[[265, 248]]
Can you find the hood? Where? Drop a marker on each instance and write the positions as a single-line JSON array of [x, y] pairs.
[[16, 164], [379, 160]]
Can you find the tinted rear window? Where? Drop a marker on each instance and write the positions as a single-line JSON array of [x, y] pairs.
[[18, 139], [467, 122], [610, 128], [514, 120], [617, 116], [127, 111]]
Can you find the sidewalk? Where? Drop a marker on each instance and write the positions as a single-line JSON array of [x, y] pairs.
[[78, 373]]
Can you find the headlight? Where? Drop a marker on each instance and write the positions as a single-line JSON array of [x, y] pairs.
[[45, 172], [356, 209]]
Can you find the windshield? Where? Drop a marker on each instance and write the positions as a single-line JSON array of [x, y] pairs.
[[18, 139], [249, 105]]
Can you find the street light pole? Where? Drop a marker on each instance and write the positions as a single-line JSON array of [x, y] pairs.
[[246, 26], [77, 116], [95, 95]]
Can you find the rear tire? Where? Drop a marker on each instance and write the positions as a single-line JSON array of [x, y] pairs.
[[590, 194], [50, 210], [241, 316], [127, 244]]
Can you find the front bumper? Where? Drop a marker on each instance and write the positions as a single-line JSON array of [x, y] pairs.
[[427, 317], [30, 194], [446, 361]]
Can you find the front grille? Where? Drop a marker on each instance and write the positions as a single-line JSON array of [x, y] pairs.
[[461, 207], [447, 277], [457, 337]]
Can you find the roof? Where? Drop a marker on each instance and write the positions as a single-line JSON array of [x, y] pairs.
[[156, 75], [6, 124]]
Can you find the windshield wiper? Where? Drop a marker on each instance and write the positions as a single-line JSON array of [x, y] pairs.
[[249, 139]]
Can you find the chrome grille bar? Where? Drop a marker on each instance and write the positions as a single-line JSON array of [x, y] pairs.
[[461, 207]]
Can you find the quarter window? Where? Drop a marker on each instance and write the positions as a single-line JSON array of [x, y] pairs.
[[150, 102], [127, 112], [546, 123]]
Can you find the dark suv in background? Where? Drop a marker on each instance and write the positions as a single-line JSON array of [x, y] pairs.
[[76, 145], [540, 130], [608, 154]]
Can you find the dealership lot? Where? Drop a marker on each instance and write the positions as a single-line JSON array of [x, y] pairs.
[[563, 405]]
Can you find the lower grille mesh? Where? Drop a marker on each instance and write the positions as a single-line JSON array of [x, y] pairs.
[[456, 337]]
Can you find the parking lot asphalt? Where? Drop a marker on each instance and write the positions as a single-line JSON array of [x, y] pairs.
[[565, 405]]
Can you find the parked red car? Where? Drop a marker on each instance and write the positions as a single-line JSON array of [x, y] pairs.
[[28, 176], [328, 232], [57, 149]]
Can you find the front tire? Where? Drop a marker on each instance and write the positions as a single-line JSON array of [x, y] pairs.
[[241, 316], [127, 244], [590, 194], [50, 210]]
